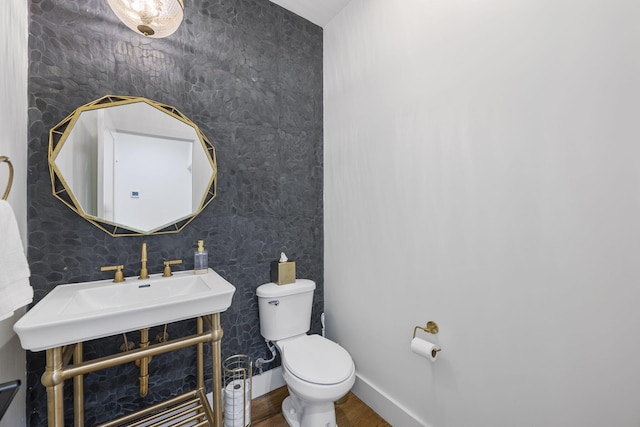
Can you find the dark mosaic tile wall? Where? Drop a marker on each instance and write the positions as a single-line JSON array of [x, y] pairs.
[[249, 73]]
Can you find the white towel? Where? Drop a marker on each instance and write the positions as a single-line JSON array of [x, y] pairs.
[[15, 289]]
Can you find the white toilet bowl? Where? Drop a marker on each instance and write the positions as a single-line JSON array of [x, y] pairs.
[[317, 372]]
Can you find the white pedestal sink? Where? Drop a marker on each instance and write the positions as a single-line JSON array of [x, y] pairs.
[[83, 311]]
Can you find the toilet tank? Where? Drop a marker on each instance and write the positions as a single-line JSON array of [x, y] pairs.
[[285, 310]]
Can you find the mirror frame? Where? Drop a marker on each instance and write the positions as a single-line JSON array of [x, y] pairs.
[[61, 190]]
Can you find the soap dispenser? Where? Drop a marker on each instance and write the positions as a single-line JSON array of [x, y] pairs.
[[201, 259]]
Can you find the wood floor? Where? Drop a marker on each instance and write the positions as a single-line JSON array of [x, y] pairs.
[[266, 412]]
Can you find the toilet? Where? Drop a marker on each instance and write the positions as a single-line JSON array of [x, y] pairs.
[[316, 370]]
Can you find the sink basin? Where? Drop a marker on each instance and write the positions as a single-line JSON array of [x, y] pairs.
[[89, 310]]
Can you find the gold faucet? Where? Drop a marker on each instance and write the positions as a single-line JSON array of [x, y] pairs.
[[144, 273], [119, 276], [167, 267]]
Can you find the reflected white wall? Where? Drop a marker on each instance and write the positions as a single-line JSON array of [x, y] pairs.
[[158, 170], [78, 161], [481, 170]]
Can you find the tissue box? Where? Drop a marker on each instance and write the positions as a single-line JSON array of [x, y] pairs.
[[283, 273]]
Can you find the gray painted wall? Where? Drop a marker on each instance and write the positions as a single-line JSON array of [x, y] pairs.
[[507, 210], [249, 73]]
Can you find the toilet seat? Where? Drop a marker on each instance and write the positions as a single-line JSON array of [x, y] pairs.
[[317, 360]]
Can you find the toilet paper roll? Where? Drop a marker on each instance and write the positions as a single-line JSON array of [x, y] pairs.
[[236, 400], [237, 388], [238, 423], [237, 408], [238, 397], [237, 419], [425, 348], [234, 418], [237, 403]]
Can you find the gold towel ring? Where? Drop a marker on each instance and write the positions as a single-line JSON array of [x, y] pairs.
[[5, 159]]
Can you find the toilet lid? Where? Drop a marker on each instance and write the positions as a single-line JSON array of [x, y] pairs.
[[316, 359]]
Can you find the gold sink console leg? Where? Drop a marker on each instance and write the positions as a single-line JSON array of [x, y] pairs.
[[200, 356], [200, 386], [216, 385], [53, 380], [78, 389]]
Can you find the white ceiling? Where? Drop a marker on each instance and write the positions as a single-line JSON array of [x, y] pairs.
[[319, 12]]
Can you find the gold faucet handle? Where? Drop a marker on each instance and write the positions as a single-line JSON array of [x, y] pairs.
[[119, 277], [167, 267]]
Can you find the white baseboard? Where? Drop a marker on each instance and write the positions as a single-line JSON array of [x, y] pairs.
[[266, 382], [394, 413], [262, 384]]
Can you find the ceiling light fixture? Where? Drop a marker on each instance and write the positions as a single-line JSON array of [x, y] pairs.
[[152, 18]]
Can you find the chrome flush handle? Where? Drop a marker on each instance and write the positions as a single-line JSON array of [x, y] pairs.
[[274, 302]]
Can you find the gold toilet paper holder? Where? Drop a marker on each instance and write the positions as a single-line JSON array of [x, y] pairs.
[[432, 328]]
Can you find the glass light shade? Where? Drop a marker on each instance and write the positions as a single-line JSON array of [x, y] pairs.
[[152, 18]]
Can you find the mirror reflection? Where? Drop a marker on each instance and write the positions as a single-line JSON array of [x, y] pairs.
[[132, 166]]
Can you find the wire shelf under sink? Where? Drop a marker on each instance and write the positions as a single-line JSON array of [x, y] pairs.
[[189, 409]]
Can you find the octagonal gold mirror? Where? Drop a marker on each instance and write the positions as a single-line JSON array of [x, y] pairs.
[[132, 166]]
